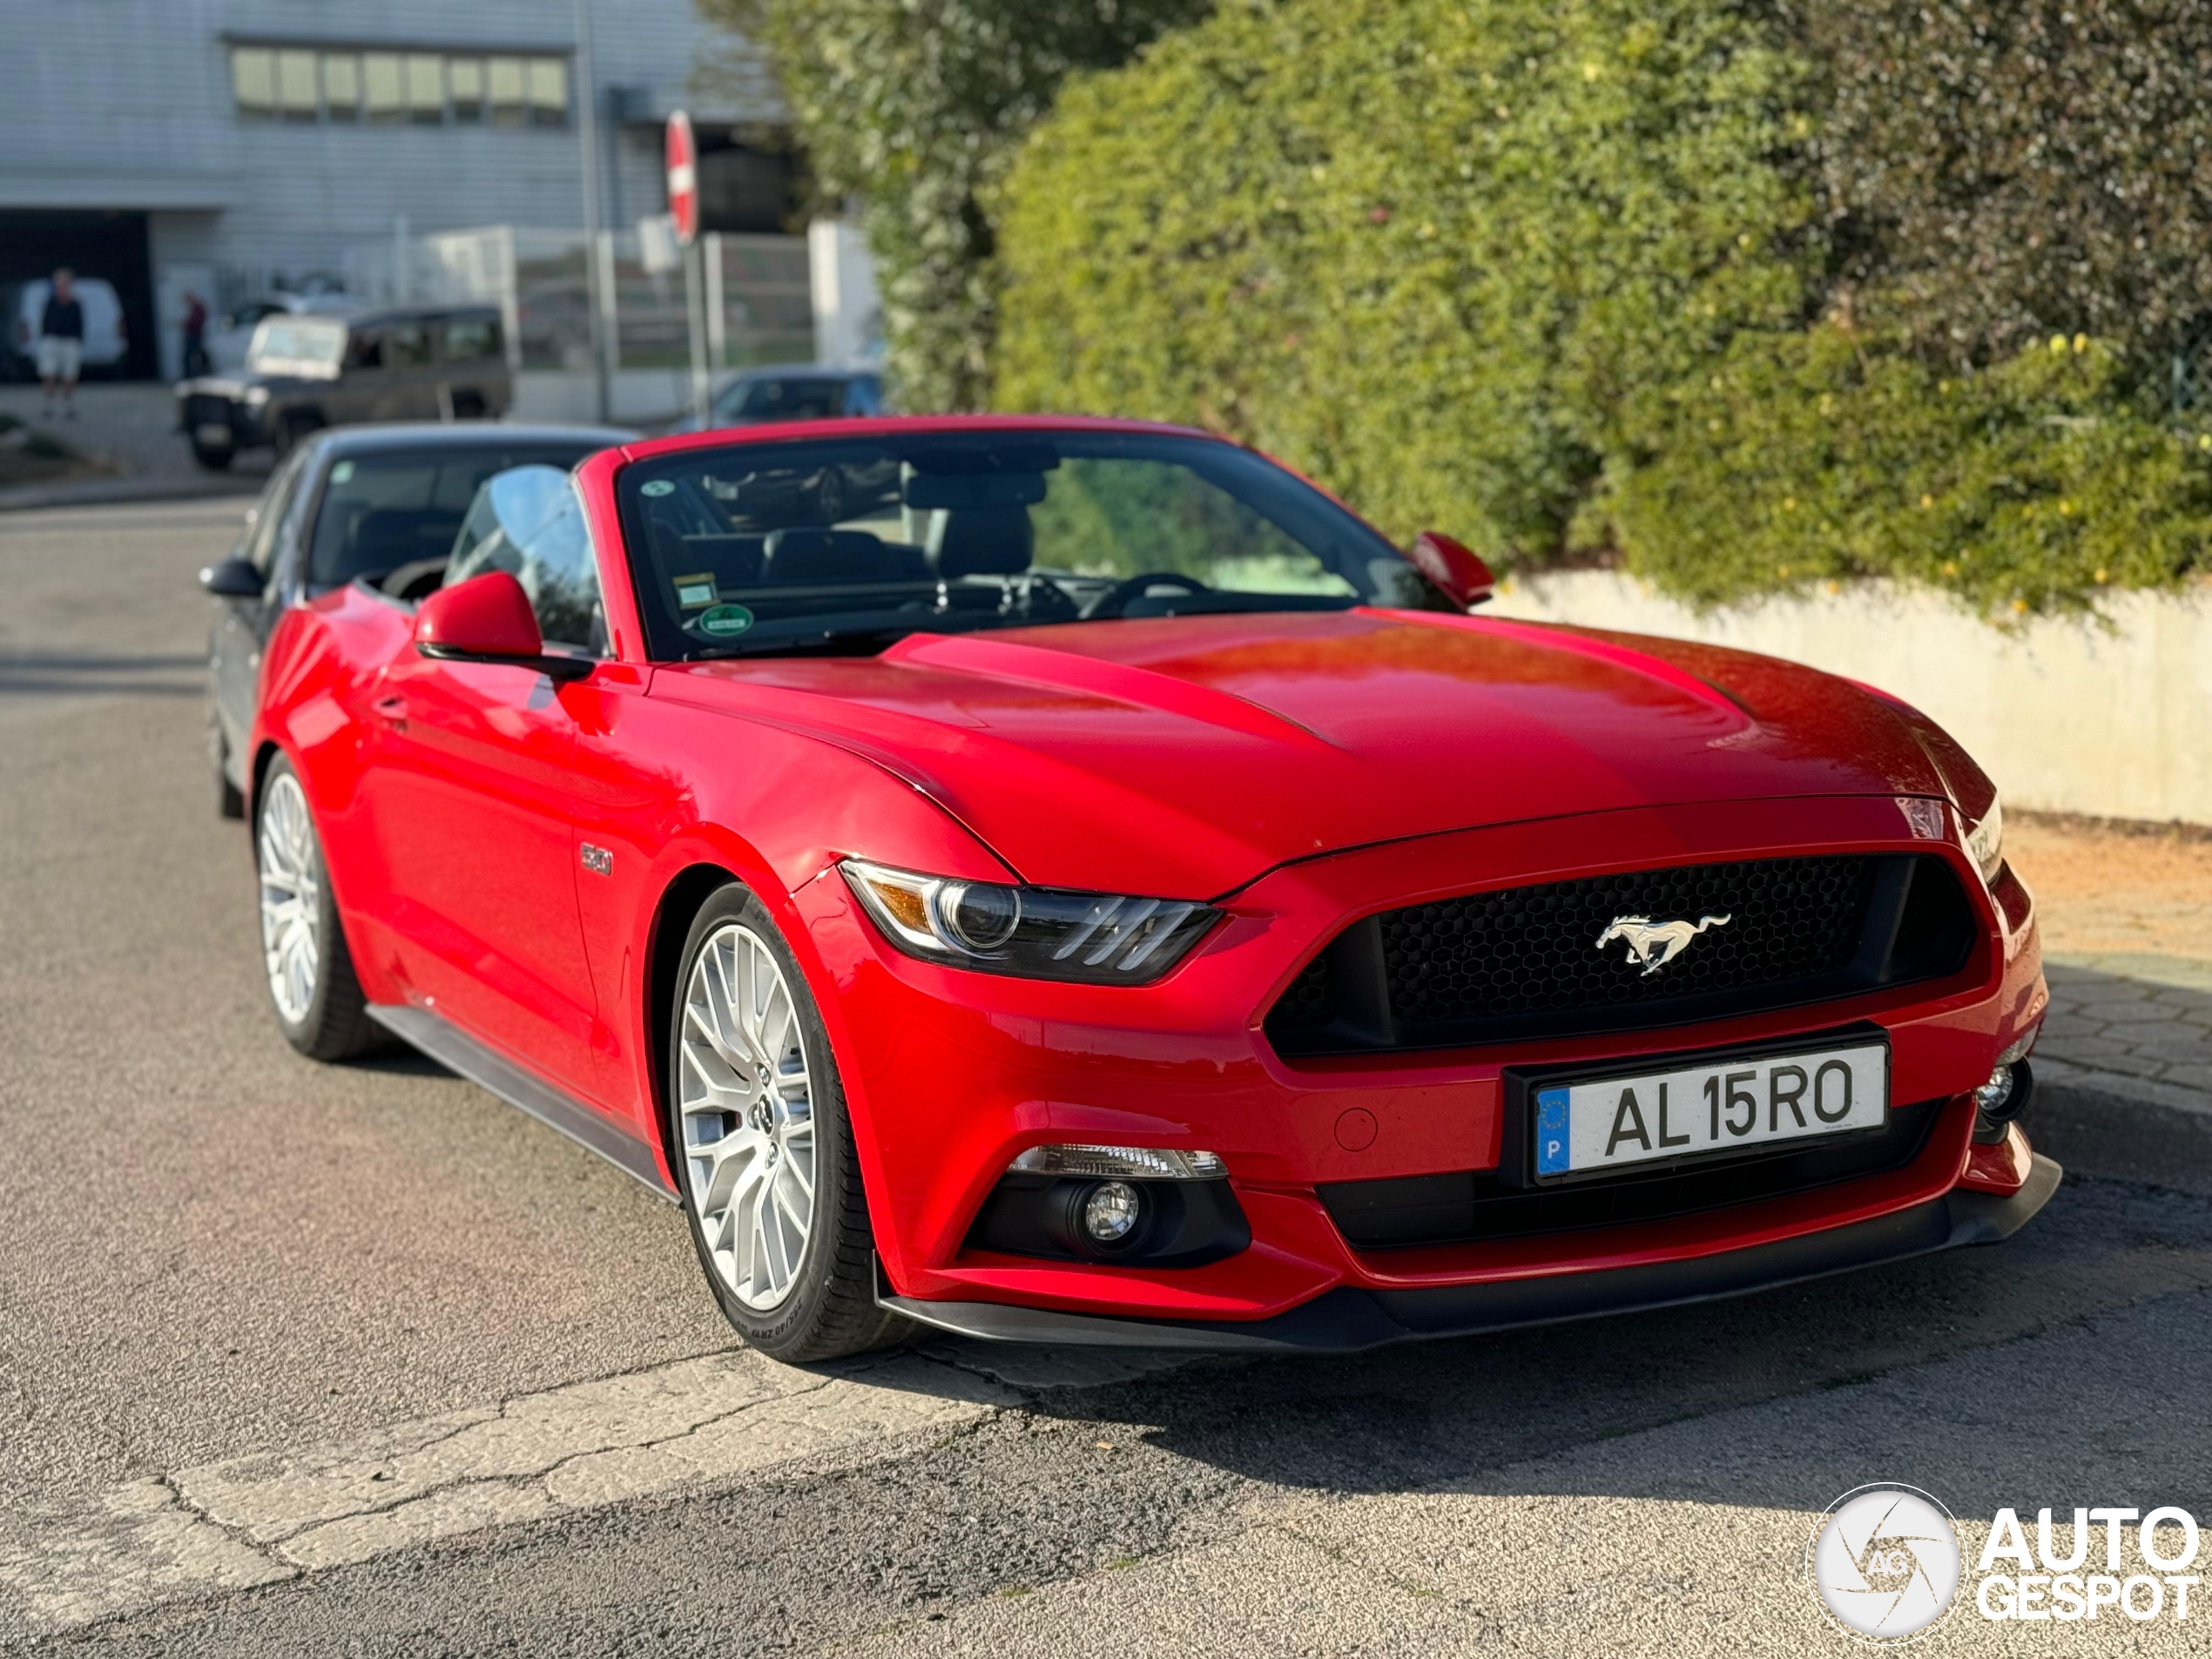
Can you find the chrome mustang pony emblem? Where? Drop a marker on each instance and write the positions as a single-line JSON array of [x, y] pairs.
[[1656, 943]]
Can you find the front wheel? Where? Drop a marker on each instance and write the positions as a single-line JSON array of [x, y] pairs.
[[318, 1001], [213, 457], [770, 1177]]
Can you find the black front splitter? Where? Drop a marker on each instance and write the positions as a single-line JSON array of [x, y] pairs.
[[1349, 1320]]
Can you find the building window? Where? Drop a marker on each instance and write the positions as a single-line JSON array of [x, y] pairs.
[[341, 86], [465, 81], [287, 82], [295, 78], [507, 79], [381, 75], [548, 92], [425, 89], [253, 82]]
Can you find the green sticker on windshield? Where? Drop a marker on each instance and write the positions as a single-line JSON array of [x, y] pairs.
[[725, 619], [341, 472], [656, 487]]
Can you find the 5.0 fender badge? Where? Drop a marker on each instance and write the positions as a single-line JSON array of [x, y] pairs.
[[598, 860], [1656, 943]]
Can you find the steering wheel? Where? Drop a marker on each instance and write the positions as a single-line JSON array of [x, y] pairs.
[[1116, 599]]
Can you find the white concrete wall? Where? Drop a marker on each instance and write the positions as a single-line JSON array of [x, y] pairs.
[[2067, 715]]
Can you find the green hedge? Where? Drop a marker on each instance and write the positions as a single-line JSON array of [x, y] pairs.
[[1806, 458], [1443, 256], [911, 114], [1546, 275]]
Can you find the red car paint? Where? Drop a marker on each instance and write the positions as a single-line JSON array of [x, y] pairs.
[[1298, 769]]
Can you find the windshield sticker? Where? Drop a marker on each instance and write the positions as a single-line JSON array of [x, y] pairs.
[[724, 620], [341, 472], [656, 488], [692, 592]]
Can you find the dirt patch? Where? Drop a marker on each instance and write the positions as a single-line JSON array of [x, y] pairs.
[[2106, 890]]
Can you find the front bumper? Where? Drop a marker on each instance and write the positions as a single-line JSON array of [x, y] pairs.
[[949, 1074], [1349, 1319]]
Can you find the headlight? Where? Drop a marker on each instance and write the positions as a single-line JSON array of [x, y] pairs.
[[1986, 841], [256, 396], [1033, 932]]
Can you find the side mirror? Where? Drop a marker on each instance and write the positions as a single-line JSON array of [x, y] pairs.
[[1453, 567], [488, 619], [232, 579]]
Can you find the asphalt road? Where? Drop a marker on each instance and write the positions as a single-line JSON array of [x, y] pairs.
[[300, 1359]]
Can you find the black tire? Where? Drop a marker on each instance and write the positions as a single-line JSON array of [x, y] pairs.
[[830, 1310], [212, 458], [334, 1024]]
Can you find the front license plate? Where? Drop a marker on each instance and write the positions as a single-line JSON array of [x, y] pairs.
[[1718, 1106], [214, 432]]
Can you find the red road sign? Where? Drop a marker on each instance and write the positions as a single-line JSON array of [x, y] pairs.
[[683, 178]]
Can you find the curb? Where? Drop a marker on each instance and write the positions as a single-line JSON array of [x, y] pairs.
[[109, 492], [2096, 1129]]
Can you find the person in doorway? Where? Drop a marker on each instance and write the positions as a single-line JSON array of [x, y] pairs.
[[195, 335], [61, 344]]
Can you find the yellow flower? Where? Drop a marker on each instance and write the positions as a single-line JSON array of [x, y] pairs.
[[2080, 343], [1927, 501], [2205, 442], [1789, 503], [2018, 605], [1783, 572], [2103, 576], [2058, 342], [2065, 509], [1591, 71], [1951, 567], [1833, 587]]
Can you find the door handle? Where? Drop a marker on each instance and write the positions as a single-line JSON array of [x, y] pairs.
[[391, 711]]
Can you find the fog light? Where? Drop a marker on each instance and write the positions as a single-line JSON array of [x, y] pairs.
[[1112, 1212], [1991, 1096]]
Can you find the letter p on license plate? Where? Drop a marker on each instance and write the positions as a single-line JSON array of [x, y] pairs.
[[1714, 1106]]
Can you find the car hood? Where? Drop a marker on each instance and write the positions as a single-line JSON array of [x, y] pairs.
[[1183, 757]]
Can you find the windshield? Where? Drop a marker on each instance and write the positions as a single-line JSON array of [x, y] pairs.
[[398, 507], [849, 543], [287, 341]]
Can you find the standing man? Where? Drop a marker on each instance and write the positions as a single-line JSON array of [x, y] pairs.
[[195, 335], [61, 343]]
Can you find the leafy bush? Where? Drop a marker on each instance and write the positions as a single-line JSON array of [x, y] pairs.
[[2000, 171], [1805, 457], [1442, 255], [913, 112]]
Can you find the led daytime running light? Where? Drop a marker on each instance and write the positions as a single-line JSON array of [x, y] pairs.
[[1119, 1163]]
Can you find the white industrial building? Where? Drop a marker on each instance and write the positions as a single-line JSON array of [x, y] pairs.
[[233, 146]]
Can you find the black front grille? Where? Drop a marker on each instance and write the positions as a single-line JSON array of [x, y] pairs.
[[1470, 1206], [1524, 962]]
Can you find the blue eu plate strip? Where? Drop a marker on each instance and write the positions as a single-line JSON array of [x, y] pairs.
[[1551, 1131]]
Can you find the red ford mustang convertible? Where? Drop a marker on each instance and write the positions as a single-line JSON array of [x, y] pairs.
[[1072, 881]]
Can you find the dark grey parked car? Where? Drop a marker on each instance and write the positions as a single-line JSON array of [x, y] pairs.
[[305, 371], [381, 505], [802, 392]]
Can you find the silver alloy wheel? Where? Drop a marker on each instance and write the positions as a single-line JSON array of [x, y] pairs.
[[747, 1108], [290, 898]]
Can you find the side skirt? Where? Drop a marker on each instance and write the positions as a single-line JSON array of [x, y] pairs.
[[456, 1050]]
